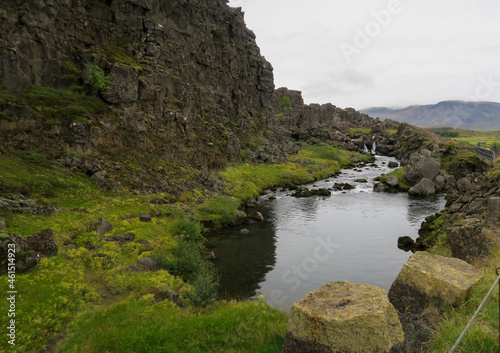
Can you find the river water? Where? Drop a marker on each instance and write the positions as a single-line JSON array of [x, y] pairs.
[[306, 242]]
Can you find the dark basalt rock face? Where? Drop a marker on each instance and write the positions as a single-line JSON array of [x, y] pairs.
[[184, 83]]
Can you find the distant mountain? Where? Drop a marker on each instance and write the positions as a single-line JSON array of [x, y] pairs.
[[455, 114]]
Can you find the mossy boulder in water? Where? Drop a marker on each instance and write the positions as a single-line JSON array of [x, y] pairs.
[[344, 317]]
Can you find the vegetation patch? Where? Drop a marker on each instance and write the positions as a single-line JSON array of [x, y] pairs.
[[148, 327], [483, 334], [53, 106], [358, 132], [398, 173], [285, 103]]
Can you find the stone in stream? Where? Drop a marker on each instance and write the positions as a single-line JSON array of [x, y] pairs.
[[405, 243], [392, 181], [432, 280], [424, 188], [344, 317], [240, 217]]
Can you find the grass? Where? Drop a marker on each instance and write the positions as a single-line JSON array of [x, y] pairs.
[[398, 173], [148, 327], [33, 176], [247, 180], [483, 335], [60, 105]]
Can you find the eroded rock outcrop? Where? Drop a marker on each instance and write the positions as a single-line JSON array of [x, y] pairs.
[[432, 280], [343, 317]]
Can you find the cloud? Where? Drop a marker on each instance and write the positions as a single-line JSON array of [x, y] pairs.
[[428, 51]]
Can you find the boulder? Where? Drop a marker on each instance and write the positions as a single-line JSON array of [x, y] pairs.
[[424, 188], [121, 238], [144, 217], [393, 164], [344, 317], [251, 203], [244, 231], [432, 280], [302, 192], [240, 217], [208, 256], [440, 182], [144, 264], [99, 178], [257, 217], [392, 181], [425, 168], [24, 257], [469, 240], [43, 243], [406, 243], [103, 226]]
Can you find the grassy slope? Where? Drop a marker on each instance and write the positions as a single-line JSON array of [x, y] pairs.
[[101, 307], [483, 334]]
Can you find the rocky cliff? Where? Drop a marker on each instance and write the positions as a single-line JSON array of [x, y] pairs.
[[185, 80], [154, 95]]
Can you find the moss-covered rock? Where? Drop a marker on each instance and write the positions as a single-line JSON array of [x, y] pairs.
[[344, 317], [432, 280]]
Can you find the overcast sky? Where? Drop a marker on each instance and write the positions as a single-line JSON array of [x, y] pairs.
[[365, 53]]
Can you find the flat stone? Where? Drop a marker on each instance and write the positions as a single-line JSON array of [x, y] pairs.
[[344, 317], [428, 279]]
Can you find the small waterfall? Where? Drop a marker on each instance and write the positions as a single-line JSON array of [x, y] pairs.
[[365, 148], [374, 147]]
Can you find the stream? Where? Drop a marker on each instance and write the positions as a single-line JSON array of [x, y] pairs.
[[305, 242]]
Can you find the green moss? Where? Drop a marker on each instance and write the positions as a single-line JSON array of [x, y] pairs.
[[220, 35], [53, 106], [248, 180], [34, 177], [400, 174], [285, 103], [219, 211], [357, 132], [119, 55]]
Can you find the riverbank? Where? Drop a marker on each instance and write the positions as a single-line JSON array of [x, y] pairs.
[[92, 276]]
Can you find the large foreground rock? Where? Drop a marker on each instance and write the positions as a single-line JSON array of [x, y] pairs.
[[344, 317], [432, 280]]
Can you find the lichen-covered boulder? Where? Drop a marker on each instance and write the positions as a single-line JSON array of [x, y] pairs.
[[344, 317], [428, 279]]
